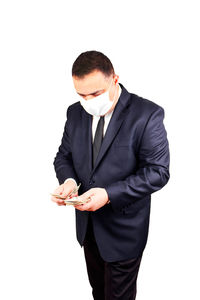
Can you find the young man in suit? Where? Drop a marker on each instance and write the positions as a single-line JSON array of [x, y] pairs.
[[114, 144]]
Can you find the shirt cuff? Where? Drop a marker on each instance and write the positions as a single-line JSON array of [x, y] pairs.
[[70, 179]]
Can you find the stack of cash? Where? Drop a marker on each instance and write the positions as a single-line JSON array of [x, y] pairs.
[[70, 200]]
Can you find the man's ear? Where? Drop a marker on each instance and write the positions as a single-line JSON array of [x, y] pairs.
[[116, 79]]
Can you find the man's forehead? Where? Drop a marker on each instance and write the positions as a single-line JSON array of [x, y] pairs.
[[90, 84]]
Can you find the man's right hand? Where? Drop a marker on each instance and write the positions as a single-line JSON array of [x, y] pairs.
[[64, 190]]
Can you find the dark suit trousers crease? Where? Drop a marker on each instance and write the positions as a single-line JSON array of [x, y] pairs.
[[109, 280]]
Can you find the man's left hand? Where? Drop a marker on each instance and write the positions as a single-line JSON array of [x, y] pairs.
[[98, 198]]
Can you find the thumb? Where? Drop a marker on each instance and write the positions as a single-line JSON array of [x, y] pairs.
[[85, 195]]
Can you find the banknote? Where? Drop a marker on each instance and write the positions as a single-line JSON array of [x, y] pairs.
[[70, 200], [76, 201], [74, 191]]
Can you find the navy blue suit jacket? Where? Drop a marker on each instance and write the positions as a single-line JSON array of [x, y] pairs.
[[133, 162]]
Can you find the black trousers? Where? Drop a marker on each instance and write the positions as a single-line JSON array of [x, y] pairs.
[[109, 280]]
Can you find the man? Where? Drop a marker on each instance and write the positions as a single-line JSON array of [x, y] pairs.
[[114, 144]]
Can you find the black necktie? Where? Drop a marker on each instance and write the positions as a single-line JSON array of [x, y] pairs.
[[98, 138]]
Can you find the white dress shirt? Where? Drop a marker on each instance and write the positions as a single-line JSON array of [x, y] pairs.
[[95, 120]]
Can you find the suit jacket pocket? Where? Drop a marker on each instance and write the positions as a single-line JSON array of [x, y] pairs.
[[135, 206]]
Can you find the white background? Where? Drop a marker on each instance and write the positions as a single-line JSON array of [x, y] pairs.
[[154, 47]]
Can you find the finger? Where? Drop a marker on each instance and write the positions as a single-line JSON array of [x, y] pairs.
[[85, 196], [58, 190], [61, 202], [79, 207], [72, 196], [86, 206], [85, 202], [68, 193], [56, 200]]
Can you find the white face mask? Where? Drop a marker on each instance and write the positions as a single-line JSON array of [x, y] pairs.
[[98, 105]]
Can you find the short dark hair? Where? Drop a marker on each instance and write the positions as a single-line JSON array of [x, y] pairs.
[[90, 61]]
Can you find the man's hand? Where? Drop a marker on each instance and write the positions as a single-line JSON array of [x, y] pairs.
[[98, 198], [64, 190]]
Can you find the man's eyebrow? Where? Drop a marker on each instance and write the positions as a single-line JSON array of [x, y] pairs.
[[91, 93]]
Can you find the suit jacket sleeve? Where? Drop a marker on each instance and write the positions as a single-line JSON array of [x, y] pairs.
[[153, 165], [63, 162]]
